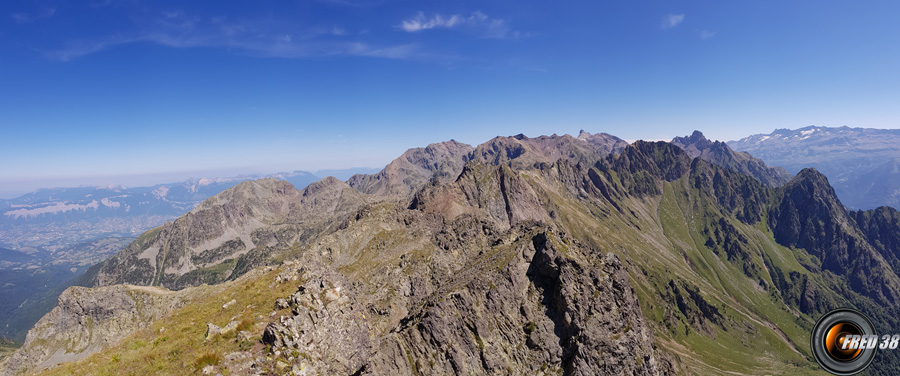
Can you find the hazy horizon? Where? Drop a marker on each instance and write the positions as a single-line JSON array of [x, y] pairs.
[[112, 92], [8, 192], [14, 189]]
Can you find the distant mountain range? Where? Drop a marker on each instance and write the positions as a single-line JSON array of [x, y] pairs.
[[51, 236], [862, 164], [54, 218]]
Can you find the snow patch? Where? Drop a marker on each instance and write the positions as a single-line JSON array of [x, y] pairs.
[[161, 192], [150, 254], [109, 203], [58, 207]]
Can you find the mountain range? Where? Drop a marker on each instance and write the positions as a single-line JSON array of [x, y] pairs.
[[862, 164], [52, 236], [550, 255]]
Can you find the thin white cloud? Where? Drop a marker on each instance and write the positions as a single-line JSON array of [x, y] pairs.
[[706, 34], [257, 38], [28, 17], [338, 31], [672, 20], [477, 23], [419, 22]]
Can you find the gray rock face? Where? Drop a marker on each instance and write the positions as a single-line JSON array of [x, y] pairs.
[[415, 168], [497, 191], [87, 320], [545, 313], [228, 234], [520, 152], [538, 304], [328, 333]]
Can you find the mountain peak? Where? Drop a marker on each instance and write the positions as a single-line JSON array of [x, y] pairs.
[[693, 144], [415, 168], [719, 153], [812, 176], [250, 190]]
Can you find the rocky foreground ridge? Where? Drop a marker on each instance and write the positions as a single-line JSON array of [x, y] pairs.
[[87, 320], [550, 255]]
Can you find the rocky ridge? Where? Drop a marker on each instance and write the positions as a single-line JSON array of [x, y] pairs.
[[228, 234], [537, 258], [718, 153], [88, 320]]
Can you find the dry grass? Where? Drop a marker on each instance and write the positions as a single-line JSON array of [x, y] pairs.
[[175, 344]]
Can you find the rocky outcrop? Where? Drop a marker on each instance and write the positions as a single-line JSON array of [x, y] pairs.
[[328, 333], [497, 191], [545, 305], [641, 166], [86, 321]]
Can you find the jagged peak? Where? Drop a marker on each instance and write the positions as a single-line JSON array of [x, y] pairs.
[[693, 144]]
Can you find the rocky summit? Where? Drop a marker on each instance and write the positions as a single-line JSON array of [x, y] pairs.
[[553, 255]]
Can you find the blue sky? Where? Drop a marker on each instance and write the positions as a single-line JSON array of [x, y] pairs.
[[135, 92]]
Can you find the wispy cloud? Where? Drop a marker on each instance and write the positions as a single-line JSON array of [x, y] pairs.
[[671, 21], [419, 22], [264, 38], [23, 17], [706, 34], [477, 22]]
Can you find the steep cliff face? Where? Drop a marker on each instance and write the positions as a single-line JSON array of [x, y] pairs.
[[554, 308], [807, 214], [497, 191], [88, 320], [882, 228]]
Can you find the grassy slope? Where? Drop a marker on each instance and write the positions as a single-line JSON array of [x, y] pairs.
[[175, 345], [663, 240]]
